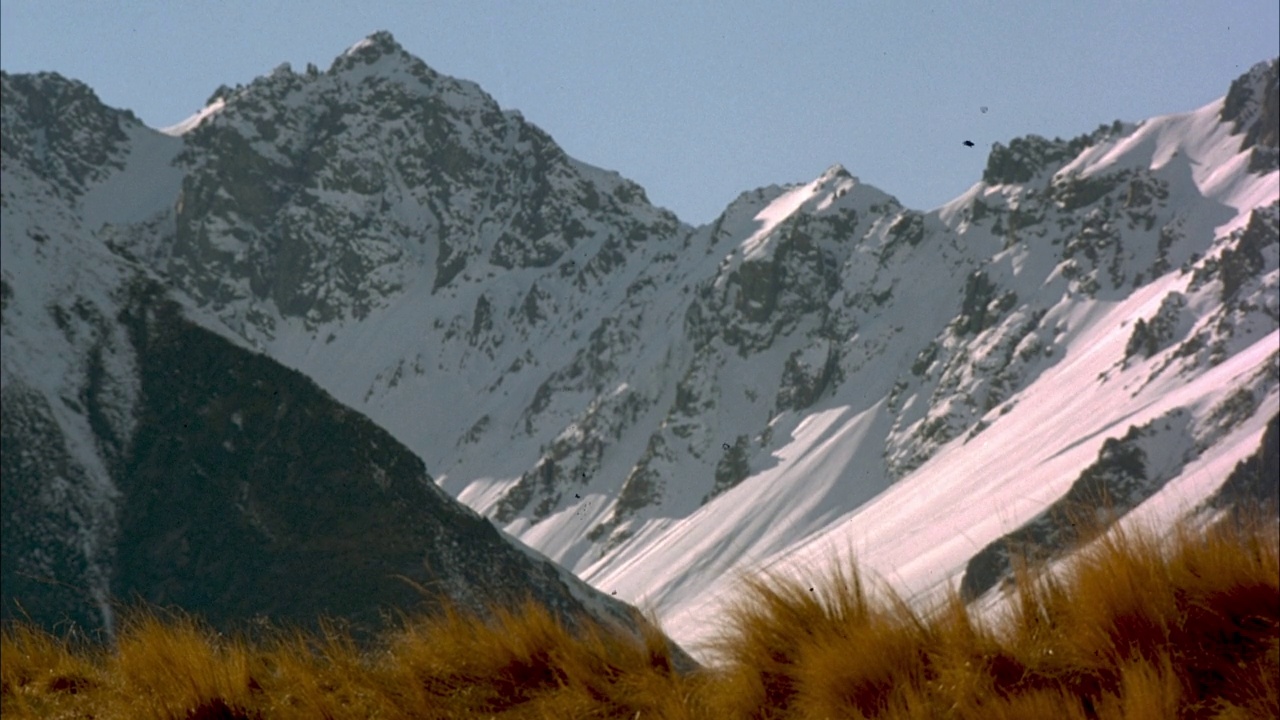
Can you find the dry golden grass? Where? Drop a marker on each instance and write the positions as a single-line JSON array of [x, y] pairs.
[[45, 676], [525, 663], [1137, 627]]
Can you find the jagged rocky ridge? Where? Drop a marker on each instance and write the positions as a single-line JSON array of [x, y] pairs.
[[654, 405], [146, 458]]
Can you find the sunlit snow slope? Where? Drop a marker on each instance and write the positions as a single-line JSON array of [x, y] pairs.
[[998, 426]]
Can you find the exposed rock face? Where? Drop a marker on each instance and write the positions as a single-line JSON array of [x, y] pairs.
[[1253, 481], [243, 490], [1025, 158], [56, 536], [1151, 336], [60, 130], [1253, 105], [248, 491], [1128, 470], [329, 191]]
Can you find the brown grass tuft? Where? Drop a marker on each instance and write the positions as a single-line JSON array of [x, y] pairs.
[[525, 661], [40, 672], [1136, 626], [177, 669]]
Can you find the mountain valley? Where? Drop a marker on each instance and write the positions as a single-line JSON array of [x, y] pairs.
[[269, 347]]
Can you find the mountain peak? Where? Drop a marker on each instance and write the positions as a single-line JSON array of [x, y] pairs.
[[374, 46], [1251, 104], [379, 53], [836, 171]]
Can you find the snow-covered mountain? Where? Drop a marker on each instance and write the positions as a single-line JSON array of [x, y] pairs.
[[659, 407], [145, 457]]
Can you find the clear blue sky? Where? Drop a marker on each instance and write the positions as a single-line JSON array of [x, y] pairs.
[[699, 101]]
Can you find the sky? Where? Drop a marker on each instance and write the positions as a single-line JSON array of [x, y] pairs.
[[700, 101]]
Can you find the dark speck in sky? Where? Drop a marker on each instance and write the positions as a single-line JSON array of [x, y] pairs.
[[968, 143]]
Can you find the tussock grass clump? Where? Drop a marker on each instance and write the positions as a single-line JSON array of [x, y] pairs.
[[526, 660], [1136, 626], [167, 667], [515, 663], [41, 674], [817, 649]]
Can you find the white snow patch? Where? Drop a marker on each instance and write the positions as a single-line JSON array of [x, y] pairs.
[[195, 120]]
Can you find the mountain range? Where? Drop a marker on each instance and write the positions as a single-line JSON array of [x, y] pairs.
[[350, 326]]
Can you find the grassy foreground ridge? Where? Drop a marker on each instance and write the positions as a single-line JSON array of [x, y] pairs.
[[1184, 626]]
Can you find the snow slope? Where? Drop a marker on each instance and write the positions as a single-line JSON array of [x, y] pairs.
[[918, 533]]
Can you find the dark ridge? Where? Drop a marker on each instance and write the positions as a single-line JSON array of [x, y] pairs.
[[1253, 482]]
